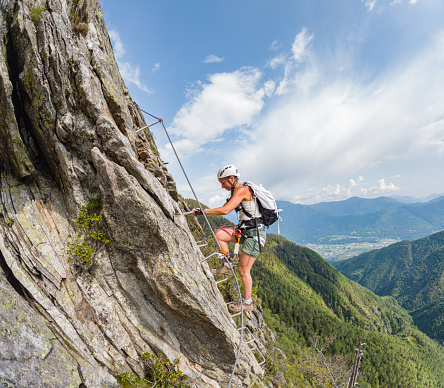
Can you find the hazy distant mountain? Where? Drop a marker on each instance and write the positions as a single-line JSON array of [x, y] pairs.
[[360, 220], [356, 205], [409, 199], [410, 271]]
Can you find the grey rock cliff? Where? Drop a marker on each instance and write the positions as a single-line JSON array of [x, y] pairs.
[[68, 133]]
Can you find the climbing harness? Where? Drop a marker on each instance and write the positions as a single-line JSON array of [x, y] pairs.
[[238, 235], [219, 254]]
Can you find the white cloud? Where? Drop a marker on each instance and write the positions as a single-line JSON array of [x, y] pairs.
[[277, 61], [213, 59], [130, 73], [227, 101], [320, 125], [384, 188], [300, 44], [217, 200], [370, 4], [299, 53], [155, 67], [119, 50], [338, 192], [275, 45], [331, 128]]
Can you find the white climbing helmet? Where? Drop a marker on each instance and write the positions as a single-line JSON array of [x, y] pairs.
[[228, 170]]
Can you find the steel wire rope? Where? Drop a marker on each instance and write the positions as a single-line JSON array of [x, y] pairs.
[[214, 237]]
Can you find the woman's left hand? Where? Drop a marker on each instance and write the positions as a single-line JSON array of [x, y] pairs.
[[197, 211]]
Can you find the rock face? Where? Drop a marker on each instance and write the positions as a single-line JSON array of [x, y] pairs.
[[28, 348], [68, 133]]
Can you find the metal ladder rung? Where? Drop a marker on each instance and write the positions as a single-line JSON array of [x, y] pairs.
[[255, 347], [206, 258], [147, 126], [247, 329], [159, 120]]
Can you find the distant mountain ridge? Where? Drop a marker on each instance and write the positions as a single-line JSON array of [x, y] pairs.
[[359, 219], [356, 205], [410, 271]]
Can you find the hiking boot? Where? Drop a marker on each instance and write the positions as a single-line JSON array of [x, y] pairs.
[[222, 270], [236, 307]]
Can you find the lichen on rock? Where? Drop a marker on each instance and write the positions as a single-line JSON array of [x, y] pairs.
[[69, 132]]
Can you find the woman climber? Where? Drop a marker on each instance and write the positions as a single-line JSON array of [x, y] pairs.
[[249, 231]]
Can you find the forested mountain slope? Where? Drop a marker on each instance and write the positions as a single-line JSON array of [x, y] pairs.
[[360, 220], [410, 271], [303, 297]]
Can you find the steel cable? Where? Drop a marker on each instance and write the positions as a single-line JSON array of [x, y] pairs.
[[214, 237]]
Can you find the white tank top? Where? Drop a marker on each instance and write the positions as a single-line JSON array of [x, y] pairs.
[[251, 208]]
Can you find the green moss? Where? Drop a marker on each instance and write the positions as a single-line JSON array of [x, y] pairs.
[[90, 221], [36, 14], [10, 221], [160, 373]]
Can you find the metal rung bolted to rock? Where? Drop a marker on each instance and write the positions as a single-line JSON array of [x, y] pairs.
[[223, 280], [159, 120]]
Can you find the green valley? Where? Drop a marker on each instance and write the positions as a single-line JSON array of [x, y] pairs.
[[359, 220], [305, 300], [410, 271]]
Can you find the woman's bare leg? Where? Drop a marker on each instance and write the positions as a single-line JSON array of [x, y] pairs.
[[224, 236], [245, 263]]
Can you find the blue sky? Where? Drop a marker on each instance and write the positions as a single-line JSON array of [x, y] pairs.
[[316, 100]]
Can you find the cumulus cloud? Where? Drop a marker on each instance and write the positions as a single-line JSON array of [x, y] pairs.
[[340, 127], [227, 101], [383, 187], [130, 73], [213, 59], [353, 188], [319, 126]]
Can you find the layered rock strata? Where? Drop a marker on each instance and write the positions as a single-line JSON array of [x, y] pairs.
[[68, 132]]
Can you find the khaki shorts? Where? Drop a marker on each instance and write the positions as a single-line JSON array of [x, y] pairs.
[[249, 240]]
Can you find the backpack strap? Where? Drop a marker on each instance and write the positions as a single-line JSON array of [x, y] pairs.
[[240, 207]]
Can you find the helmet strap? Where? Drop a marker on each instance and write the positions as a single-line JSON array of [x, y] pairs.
[[231, 184]]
